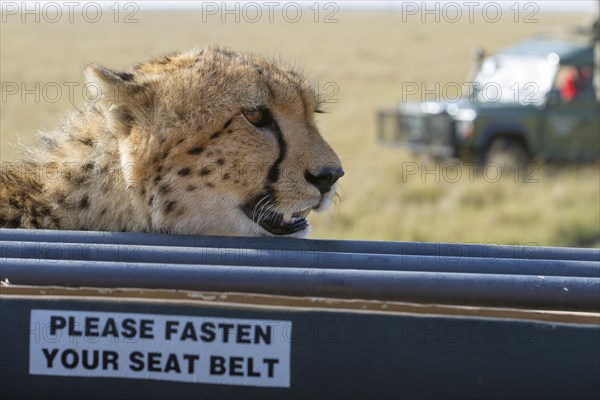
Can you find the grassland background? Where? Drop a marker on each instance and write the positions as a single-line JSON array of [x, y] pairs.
[[368, 55]]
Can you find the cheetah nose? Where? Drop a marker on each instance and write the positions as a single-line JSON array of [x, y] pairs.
[[325, 178]]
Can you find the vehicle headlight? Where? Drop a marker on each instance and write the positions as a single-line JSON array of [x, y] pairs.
[[464, 129]]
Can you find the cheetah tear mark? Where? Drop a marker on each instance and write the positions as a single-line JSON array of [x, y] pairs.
[[275, 171]]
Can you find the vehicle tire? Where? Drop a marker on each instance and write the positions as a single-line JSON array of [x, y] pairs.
[[507, 154]]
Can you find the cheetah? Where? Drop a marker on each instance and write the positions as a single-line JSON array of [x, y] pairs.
[[204, 142]]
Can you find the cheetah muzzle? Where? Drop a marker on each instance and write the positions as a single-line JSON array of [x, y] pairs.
[[206, 142]]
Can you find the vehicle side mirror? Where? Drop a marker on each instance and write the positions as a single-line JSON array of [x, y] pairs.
[[553, 97]]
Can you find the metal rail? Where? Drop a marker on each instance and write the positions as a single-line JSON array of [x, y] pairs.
[[451, 250], [536, 277]]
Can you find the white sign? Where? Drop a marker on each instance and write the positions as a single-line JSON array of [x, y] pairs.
[[161, 347]]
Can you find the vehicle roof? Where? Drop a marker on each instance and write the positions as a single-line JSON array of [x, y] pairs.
[[569, 52]]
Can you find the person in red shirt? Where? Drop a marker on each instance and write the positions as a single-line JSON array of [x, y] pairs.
[[568, 89]]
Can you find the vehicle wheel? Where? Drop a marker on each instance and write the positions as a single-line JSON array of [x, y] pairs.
[[508, 154]]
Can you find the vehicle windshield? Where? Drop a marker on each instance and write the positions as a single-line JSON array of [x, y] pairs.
[[514, 79]]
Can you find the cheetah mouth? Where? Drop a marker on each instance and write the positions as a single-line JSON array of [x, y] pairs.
[[277, 223]]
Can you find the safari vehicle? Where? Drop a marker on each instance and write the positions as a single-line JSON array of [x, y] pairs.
[[537, 98]]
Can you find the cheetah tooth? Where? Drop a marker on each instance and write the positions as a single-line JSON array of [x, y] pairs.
[[287, 216], [304, 213]]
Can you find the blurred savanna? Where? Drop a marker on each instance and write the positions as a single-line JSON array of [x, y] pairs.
[[359, 60]]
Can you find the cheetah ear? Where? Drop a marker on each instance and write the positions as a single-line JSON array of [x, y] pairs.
[[118, 94], [110, 86]]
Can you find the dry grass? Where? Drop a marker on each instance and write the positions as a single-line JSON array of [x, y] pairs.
[[368, 55]]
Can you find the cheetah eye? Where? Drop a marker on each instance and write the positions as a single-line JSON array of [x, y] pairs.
[[259, 117]]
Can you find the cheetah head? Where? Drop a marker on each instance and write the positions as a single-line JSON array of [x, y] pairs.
[[216, 142]]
